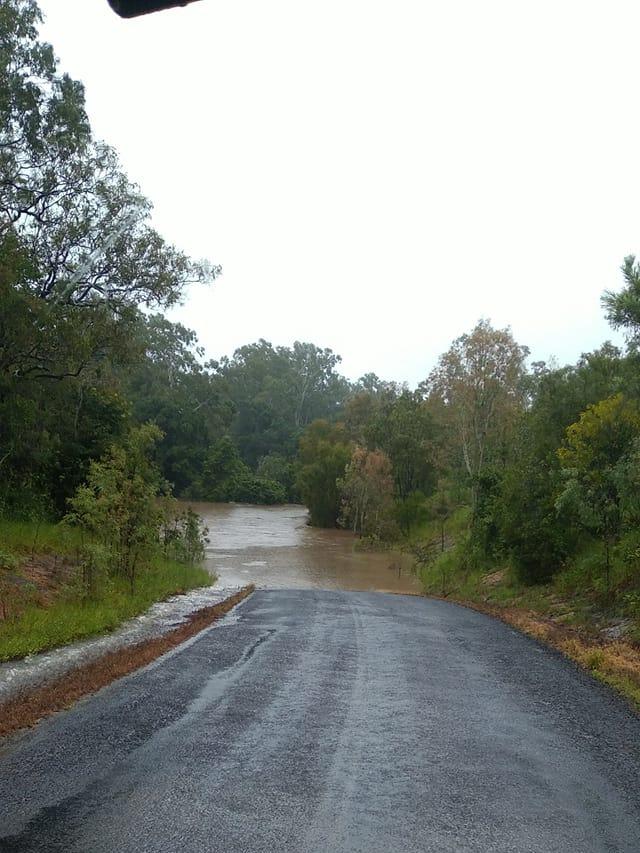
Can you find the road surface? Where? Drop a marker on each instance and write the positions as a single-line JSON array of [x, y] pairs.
[[334, 721]]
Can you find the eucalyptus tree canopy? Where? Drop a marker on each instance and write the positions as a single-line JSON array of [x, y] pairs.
[[480, 381]]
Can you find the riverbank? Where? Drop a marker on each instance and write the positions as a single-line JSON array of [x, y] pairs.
[[42, 603]]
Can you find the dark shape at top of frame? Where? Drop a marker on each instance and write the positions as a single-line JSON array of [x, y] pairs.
[[133, 8]]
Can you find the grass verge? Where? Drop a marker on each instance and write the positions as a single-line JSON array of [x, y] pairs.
[[46, 608], [27, 709]]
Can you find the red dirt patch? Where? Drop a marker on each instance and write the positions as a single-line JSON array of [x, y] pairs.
[[48, 573], [39, 579]]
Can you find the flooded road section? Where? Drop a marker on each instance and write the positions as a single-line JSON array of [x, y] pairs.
[[274, 547]]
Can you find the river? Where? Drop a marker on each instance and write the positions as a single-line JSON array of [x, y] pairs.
[[273, 546]]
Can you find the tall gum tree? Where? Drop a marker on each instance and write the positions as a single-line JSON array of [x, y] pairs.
[[480, 382]]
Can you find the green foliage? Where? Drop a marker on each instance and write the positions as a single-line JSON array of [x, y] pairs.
[[623, 308], [118, 505], [484, 537], [276, 392], [437, 574], [170, 386], [324, 455], [403, 429], [591, 459], [276, 468], [411, 511], [183, 534], [533, 536], [227, 478]]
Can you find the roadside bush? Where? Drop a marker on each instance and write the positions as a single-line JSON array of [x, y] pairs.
[[183, 533], [437, 569], [118, 506], [93, 569]]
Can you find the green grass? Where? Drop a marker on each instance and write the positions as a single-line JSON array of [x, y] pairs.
[[622, 684], [445, 576], [453, 574], [454, 527], [23, 538], [67, 619], [71, 617]]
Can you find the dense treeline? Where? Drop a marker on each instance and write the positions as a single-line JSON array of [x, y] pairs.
[[79, 261]]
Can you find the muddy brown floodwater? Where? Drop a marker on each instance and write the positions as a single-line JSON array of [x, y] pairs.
[[275, 547]]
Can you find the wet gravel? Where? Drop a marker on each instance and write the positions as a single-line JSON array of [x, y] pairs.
[[21, 675], [334, 722]]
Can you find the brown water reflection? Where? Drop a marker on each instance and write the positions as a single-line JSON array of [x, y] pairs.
[[274, 547]]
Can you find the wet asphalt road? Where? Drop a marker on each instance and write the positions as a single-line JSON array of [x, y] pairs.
[[334, 721]]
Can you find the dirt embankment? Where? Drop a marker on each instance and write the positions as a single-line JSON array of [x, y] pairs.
[[27, 708], [38, 579]]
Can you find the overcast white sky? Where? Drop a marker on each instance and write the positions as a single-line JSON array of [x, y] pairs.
[[375, 175]]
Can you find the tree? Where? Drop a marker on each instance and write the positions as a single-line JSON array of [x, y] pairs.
[[403, 428], [118, 505], [532, 535], [88, 254], [590, 458], [623, 308], [318, 389], [169, 385], [183, 534], [323, 457], [43, 122], [367, 493], [480, 381], [276, 392]]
